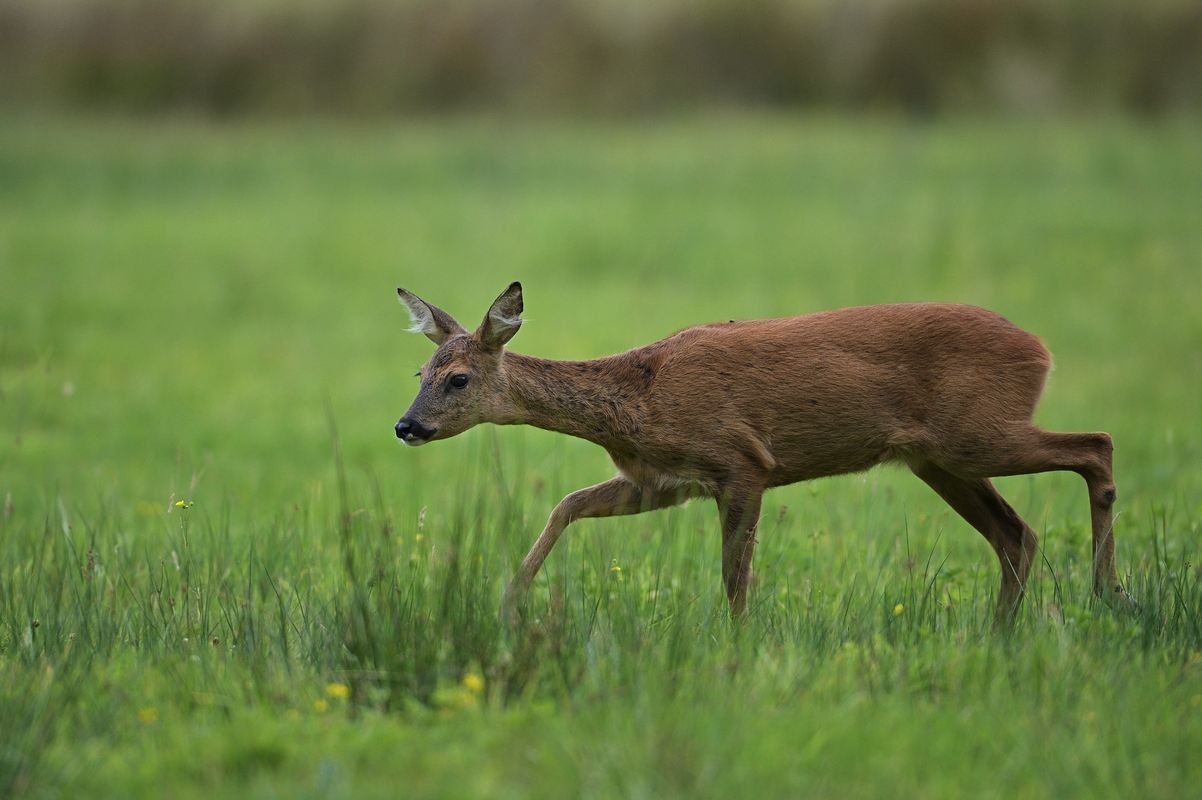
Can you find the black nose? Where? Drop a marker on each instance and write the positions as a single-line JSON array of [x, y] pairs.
[[411, 431]]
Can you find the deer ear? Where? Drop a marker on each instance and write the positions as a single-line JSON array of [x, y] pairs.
[[503, 318], [437, 324]]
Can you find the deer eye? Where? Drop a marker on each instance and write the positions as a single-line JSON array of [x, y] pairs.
[[457, 381]]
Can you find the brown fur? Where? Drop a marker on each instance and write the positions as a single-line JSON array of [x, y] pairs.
[[729, 410]]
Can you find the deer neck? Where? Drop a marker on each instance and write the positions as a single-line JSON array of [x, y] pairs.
[[594, 400]]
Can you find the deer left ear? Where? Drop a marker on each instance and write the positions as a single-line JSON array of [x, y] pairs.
[[503, 318], [436, 324]]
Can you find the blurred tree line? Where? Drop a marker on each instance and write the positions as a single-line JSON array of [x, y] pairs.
[[602, 56]]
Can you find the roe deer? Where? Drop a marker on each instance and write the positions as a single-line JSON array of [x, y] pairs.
[[730, 409]]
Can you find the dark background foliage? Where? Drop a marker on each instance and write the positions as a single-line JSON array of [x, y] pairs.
[[612, 56]]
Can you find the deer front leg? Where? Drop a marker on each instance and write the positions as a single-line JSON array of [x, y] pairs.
[[616, 497], [740, 512]]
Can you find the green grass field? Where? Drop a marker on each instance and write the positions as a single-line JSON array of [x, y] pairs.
[[188, 311]]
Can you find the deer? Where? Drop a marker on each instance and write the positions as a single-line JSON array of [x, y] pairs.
[[728, 410]]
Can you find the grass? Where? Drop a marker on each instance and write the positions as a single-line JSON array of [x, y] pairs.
[[201, 313]]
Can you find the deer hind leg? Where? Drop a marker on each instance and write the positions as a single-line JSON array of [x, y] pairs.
[[612, 498], [978, 502], [1094, 453], [740, 513], [1089, 455]]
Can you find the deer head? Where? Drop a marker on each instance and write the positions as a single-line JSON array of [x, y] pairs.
[[463, 383]]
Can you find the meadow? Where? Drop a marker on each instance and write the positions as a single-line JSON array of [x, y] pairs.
[[221, 575]]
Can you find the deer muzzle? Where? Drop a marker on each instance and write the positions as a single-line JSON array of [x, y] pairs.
[[412, 432]]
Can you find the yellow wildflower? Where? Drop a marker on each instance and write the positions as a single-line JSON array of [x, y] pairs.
[[321, 706], [183, 503], [148, 716], [451, 699], [473, 683], [898, 610], [338, 691]]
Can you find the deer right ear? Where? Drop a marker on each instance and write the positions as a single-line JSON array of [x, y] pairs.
[[503, 318], [437, 324]]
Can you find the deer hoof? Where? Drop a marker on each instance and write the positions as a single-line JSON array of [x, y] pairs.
[[1118, 599]]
